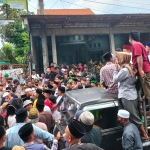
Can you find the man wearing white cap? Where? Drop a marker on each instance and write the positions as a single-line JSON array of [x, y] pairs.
[[28, 104], [7, 97], [28, 92], [131, 138]]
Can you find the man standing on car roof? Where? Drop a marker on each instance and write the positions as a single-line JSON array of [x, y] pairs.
[[106, 74], [131, 138]]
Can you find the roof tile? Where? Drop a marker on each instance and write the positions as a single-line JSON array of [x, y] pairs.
[[67, 12]]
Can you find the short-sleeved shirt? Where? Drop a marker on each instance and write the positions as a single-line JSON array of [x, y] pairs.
[[139, 50], [106, 77]]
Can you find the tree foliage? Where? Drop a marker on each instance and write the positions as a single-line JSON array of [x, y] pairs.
[[14, 33], [7, 53]]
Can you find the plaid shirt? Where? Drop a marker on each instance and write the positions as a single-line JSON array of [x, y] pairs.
[[106, 77]]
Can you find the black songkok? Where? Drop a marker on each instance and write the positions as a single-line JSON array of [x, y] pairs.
[[107, 56], [76, 128], [25, 130], [21, 113]]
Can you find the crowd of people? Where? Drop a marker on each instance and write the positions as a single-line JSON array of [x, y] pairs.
[[35, 114]]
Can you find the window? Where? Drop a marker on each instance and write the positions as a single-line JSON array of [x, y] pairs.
[[73, 37], [105, 114], [79, 37], [94, 44], [99, 45], [90, 45]]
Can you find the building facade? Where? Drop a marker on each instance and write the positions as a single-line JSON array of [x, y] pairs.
[[71, 39]]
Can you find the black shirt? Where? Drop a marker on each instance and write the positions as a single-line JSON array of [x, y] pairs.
[[49, 76], [5, 148]]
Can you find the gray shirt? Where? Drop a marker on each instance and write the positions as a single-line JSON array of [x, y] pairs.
[[126, 84], [131, 138]]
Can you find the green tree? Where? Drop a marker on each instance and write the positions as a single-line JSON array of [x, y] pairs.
[[15, 34], [7, 53]]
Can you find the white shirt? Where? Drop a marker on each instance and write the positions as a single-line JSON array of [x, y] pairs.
[[46, 108], [56, 91], [36, 76], [62, 104], [11, 121]]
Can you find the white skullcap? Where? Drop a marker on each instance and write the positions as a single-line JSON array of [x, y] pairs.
[[5, 94], [27, 102], [123, 114], [62, 69], [28, 90], [87, 118]]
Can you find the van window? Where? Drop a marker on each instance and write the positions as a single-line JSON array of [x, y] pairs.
[[106, 118]]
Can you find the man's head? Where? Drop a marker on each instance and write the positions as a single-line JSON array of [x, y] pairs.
[[40, 104], [28, 92], [26, 133], [16, 82], [38, 92], [2, 135], [23, 75], [83, 80], [43, 75], [127, 48], [87, 118], [123, 116], [55, 85], [74, 131], [7, 96], [57, 79], [27, 104], [8, 89], [21, 115], [29, 84], [47, 93], [48, 69], [61, 91], [148, 47], [53, 99], [88, 81], [69, 84], [108, 57], [1, 87], [93, 83], [33, 72], [134, 36]]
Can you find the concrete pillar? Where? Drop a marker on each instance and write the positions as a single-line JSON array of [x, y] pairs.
[[44, 48], [33, 51], [41, 7], [112, 41], [54, 51]]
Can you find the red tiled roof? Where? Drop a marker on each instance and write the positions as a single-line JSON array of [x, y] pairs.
[[67, 12]]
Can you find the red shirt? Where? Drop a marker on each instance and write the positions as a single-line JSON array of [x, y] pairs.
[[48, 103], [139, 50]]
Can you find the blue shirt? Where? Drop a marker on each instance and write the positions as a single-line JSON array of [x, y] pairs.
[[14, 139]]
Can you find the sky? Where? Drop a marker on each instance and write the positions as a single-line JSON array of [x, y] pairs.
[[98, 6]]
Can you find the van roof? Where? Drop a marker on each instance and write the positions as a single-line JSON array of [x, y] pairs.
[[91, 95]]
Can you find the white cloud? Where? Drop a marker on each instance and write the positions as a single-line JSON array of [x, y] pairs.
[[109, 6]]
